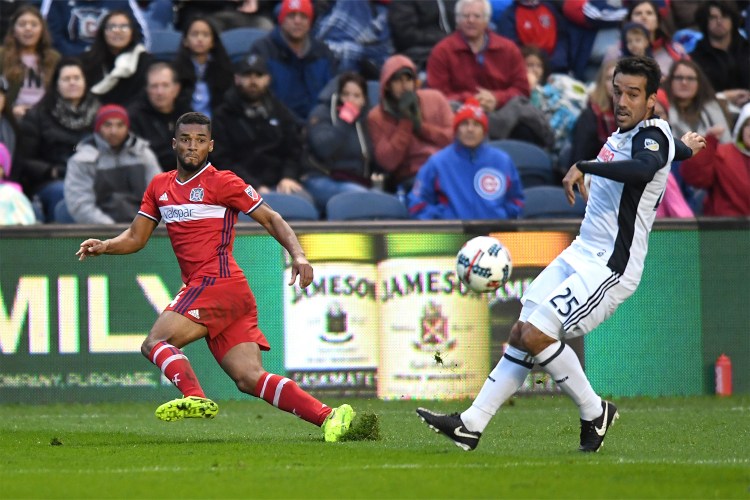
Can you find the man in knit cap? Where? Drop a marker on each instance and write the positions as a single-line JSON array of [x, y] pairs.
[[468, 179], [300, 66], [109, 171]]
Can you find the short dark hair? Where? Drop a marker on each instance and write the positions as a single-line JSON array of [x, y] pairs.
[[194, 118], [356, 78], [641, 66], [161, 65]]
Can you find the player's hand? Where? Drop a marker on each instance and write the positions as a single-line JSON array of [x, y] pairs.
[[303, 269], [573, 178], [92, 248], [695, 141]]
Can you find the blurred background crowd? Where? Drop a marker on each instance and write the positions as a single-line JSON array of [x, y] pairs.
[[425, 109]]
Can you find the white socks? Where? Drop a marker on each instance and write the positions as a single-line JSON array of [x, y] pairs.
[[504, 380], [562, 364]]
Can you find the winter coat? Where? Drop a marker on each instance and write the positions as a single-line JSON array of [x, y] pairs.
[[462, 183], [126, 89], [710, 115], [340, 150], [398, 149], [103, 186], [296, 81], [261, 149], [418, 25], [44, 147], [725, 69], [724, 171], [457, 72]]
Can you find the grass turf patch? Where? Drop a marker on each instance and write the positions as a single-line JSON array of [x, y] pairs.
[[660, 448]]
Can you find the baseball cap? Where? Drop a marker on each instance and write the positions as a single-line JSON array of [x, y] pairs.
[[251, 64]]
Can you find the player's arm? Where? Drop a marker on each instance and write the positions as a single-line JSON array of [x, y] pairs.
[[280, 230], [650, 152], [131, 240]]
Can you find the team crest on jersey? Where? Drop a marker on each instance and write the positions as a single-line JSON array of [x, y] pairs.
[[489, 184], [196, 194], [651, 145], [251, 193]]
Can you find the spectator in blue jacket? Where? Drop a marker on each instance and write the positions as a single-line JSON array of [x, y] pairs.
[[300, 66], [468, 179], [73, 23]]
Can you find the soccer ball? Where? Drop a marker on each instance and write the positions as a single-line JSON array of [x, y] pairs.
[[483, 264]]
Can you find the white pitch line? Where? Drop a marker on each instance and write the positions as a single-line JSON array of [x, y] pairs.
[[489, 466]]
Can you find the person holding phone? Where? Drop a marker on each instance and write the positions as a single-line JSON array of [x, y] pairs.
[[340, 153]]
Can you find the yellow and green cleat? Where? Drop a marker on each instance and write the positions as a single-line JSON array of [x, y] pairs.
[[337, 423], [187, 407]]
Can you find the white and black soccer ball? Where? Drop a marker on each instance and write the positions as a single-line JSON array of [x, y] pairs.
[[483, 264]]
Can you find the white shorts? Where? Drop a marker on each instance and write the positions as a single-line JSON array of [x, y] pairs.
[[573, 295]]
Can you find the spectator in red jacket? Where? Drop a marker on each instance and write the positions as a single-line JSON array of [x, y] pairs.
[[409, 124], [724, 171], [475, 62]]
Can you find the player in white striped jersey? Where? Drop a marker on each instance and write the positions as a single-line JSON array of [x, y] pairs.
[[586, 283]]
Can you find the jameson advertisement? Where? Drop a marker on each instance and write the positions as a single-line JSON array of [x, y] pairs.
[[386, 315]]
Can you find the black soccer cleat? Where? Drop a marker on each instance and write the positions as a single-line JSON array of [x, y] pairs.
[[452, 427], [593, 431]]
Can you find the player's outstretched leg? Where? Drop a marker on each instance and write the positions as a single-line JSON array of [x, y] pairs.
[[452, 427], [286, 395], [593, 431], [187, 407]]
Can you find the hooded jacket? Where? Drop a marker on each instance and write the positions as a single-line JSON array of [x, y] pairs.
[[724, 171], [103, 186], [398, 149], [339, 149]]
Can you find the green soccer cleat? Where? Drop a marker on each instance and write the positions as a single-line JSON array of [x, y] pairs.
[[188, 407], [337, 423]]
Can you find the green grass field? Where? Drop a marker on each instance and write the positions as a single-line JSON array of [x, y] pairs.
[[660, 448]]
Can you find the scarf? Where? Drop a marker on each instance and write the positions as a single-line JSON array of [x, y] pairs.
[[76, 118], [125, 65]]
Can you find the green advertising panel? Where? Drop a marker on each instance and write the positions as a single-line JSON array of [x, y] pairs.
[[71, 331], [385, 316]]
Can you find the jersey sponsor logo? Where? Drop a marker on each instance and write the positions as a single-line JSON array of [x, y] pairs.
[[194, 313], [489, 184], [251, 193], [163, 197], [188, 212], [605, 155], [196, 194], [651, 145]]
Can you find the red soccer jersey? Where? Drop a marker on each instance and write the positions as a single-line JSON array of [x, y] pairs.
[[200, 215]]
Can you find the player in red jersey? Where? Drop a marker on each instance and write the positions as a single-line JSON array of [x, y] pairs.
[[199, 205]]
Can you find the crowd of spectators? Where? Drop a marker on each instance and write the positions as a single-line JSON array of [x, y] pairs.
[[404, 96]]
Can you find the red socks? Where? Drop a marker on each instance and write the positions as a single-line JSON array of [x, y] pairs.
[[176, 367], [286, 395]]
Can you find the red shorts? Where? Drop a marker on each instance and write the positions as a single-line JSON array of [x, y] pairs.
[[226, 307]]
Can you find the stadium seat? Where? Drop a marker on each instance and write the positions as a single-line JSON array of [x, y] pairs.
[[549, 202], [533, 163], [164, 44], [291, 207], [238, 41], [367, 205]]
